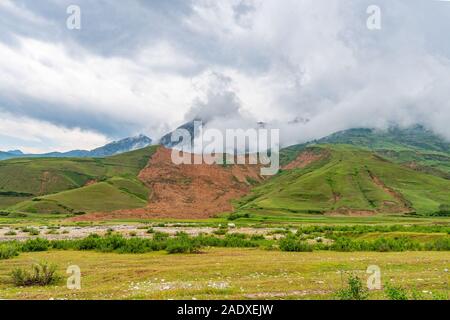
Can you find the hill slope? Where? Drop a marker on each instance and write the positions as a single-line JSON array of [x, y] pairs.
[[340, 179], [187, 191], [416, 147], [46, 178]]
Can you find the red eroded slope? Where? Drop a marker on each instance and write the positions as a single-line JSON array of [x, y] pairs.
[[187, 191]]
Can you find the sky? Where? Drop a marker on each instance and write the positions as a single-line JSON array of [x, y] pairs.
[[307, 67]]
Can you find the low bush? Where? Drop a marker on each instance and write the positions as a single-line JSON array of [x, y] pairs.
[[41, 274], [160, 236], [33, 245], [354, 290], [381, 245], [221, 231], [235, 216], [182, 245], [292, 244], [8, 250], [395, 292], [31, 231]]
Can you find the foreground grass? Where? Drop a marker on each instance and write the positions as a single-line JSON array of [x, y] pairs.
[[226, 273]]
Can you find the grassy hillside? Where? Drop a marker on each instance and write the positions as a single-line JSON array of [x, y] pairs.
[[416, 147], [114, 194], [350, 181], [46, 178]]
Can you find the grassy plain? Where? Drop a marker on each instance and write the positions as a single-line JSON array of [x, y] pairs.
[[229, 274]]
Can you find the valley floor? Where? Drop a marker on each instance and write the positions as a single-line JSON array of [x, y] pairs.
[[225, 273]]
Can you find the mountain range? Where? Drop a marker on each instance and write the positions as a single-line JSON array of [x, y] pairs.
[[113, 148], [361, 172]]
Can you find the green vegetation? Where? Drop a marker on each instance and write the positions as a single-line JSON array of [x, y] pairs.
[[183, 243], [226, 273], [41, 274], [8, 251], [102, 196], [354, 290], [395, 292], [414, 146], [349, 181], [291, 243], [73, 186]]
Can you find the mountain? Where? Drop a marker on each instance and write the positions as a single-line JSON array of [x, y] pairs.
[[113, 148], [166, 140], [5, 155], [414, 138], [415, 147], [360, 172], [346, 180], [15, 152], [121, 146]]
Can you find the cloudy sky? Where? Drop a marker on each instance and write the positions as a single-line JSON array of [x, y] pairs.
[[140, 66]]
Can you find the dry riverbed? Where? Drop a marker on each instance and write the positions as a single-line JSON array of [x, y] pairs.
[[76, 232]]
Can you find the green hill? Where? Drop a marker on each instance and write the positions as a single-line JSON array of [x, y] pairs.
[[73, 184], [113, 194], [349, 180], [416, 147]]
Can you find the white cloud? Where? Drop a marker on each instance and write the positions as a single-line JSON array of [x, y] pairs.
[[299, 58], [124, 90], [30, 135]]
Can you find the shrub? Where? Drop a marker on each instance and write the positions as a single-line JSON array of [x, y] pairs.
[[221, 231], [34, 232], [355, 290], [150, 230], [33, 245], [381, 245], [182, 243], [236, 240], [41, 274], [395, 292], [136, 245], [182, 246], [160, 236], [31, 231], [91, 242], [11, 233], [292, 244], [235, 216], [444, 211], [442, 244], [257, 237], [8, 250]]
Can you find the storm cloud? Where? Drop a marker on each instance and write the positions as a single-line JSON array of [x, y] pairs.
[[148, 66]]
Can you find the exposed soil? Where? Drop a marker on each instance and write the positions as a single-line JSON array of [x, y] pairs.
[[402, 205], [303, 159], [90, 182], [187, 190], [45, 180]]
